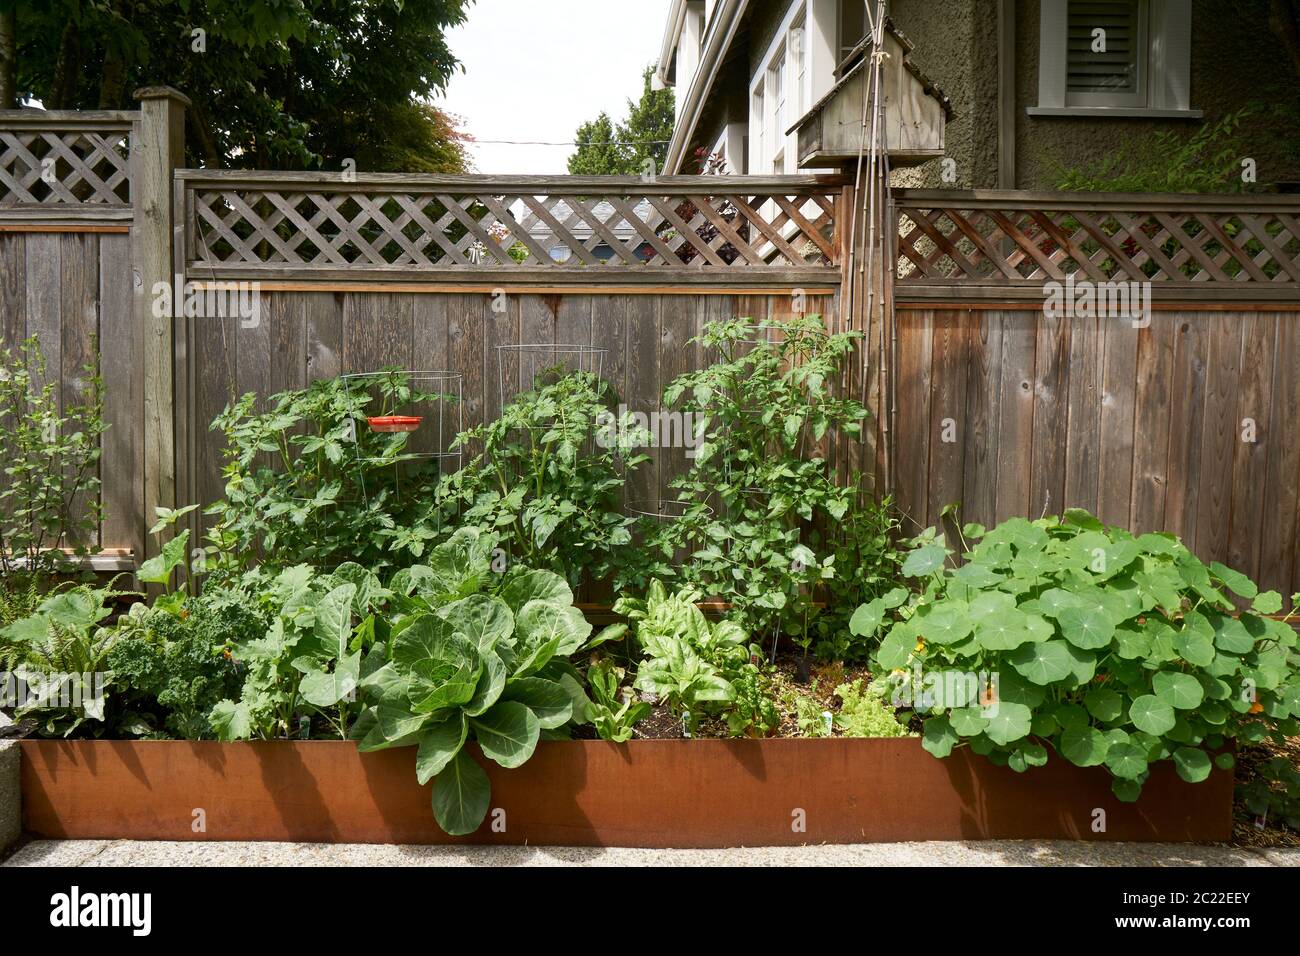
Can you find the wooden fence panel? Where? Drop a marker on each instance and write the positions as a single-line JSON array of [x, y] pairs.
[[1153, 433]]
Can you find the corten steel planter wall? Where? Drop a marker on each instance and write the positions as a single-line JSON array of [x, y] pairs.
[[669, 793]]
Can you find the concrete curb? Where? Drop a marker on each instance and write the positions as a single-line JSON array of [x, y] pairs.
[[11, 812]]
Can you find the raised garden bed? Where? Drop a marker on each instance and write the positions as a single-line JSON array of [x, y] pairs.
[[667, 793]]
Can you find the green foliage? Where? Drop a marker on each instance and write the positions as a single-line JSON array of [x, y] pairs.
[[550, 476], [631, 147], [278, 85], [867, 569], [49, 495], [307, 664], [471, 655], [613, 712], [308, 482], [697, 668], [1207, 160], [759, 495], [60, 652], [1113, 649], [867, 711], [170, 667]]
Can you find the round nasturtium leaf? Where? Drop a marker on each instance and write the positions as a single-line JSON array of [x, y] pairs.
[[1126, 760], [944, 623], [1225, 761], [1126, 791], [1027, 754], [1105, 705], [1151, 714], [1083, 664], [938, 737], [1088, 628], [1192, 764], [1178, 690], [1194, 647], [1055, 600], [967, 721], [1042, 662], [897, 646], [1070, 715], [1084, 746], [1008, 722]]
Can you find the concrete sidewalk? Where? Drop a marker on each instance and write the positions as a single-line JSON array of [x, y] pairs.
[[996, 853]]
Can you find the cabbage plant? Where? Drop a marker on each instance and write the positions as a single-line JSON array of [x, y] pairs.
[[471, 656]]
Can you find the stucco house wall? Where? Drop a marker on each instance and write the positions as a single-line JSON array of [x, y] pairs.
[[1235, 60]]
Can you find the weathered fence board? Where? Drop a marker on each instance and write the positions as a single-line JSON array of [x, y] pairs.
[[1155, 434]]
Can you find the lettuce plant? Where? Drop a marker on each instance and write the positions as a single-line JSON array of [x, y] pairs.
[[471, 655], [696, 667], [1111, 649]]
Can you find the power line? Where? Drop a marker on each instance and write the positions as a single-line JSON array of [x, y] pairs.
[[540, 142]]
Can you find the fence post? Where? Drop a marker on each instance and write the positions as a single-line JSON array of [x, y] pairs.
[[157, 148]]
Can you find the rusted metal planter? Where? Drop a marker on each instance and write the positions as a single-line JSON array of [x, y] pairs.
[[654, 793]]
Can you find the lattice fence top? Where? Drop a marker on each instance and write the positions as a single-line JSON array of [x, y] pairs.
[[306, 223], [45, 161], [1019, 239]]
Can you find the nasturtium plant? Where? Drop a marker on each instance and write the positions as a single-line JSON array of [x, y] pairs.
[[1110, 648], [471, 655]]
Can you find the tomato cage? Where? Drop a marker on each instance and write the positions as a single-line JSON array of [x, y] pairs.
[[401, 420], [522, 368]]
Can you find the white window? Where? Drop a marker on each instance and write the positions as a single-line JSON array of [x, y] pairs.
[[798, 70], [757, 131], [776, 95], [1114, 57]]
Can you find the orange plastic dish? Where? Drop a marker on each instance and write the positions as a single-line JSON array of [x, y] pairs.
[[394, 423]]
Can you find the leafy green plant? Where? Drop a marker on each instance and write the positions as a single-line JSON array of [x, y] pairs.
[[867, 569], [696, 667], [472, 655], [1110, 648], [60, 653], [49, 497], [169, 668], [550, 476], [1206, 160], [307, 482], [866, 711], [308, 663], [760, 494], [613, 712]]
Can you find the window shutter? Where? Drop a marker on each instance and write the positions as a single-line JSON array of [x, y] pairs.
[[1116, 71]]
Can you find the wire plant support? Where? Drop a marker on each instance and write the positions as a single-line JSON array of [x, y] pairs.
[[427, 437], [532, 364]]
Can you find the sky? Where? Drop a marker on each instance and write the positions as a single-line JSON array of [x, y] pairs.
[[537, 69]]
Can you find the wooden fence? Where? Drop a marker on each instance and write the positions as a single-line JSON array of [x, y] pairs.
[[65, 277], [1181, 419]]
